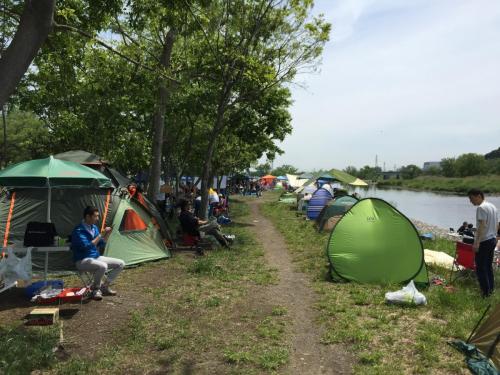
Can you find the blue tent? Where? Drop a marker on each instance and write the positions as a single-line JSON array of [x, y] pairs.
[[319, 200]]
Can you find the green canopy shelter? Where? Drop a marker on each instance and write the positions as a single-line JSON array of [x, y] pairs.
[[50, 173], [375, 243]]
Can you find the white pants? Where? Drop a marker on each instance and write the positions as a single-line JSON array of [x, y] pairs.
[[99, 266]]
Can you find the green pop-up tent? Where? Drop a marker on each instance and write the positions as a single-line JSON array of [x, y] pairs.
[[375, 243]]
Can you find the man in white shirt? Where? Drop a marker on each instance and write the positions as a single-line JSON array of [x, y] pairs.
[[484, 240]]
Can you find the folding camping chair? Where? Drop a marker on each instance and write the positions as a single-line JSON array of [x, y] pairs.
[[464, 260]]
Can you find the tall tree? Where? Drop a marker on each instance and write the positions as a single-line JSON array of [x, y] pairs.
[[250, 47], [35, 23]]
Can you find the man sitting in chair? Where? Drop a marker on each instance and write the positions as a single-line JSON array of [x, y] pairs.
[[85, 241], [192, 226]]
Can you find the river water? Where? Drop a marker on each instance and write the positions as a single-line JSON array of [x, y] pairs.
[[442, 210]]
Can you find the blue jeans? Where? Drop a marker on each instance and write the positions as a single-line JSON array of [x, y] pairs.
[[484, 266]]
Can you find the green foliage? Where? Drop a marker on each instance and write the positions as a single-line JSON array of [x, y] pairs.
[[488, 184], [263, 169], [470, 165], [448, 167], [410, 171], [433, 171], [495, 154], [369, 173], [284, 169], [27, 137], [353, 171]]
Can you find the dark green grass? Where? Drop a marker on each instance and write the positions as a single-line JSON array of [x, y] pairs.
[[385, 339], [489, 184]]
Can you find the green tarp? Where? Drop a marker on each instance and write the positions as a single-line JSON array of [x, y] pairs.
[[375, 243]]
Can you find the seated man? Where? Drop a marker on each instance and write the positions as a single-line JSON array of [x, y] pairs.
[[85, 241], [462, 228], [192, 225]]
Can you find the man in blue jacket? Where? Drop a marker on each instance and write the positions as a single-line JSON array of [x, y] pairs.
[[85, 243]]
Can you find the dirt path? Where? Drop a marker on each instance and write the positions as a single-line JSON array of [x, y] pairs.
[[294, 292]]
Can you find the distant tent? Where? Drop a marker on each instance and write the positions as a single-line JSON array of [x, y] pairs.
[[337, 207], [281, 178], [346, 178], [287, 198], [294, 181], [375, 243], [319, 200], [305, 176]]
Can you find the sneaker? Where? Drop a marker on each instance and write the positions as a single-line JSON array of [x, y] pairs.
[[96, 295], [107, 291]]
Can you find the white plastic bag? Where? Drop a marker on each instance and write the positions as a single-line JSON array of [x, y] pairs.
[[409, 295], [13, 268]]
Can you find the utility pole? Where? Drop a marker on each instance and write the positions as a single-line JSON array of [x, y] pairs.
[[376, 161]]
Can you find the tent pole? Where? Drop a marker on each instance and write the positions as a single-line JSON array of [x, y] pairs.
[[49, 203], [478, 323]]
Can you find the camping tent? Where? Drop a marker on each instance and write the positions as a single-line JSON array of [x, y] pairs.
[[346, 178], [119, 181], [375, 243], [95, 162], [487, 337], [294, 181], [27, 199], [483, 346], [319, 200], [337, 206]]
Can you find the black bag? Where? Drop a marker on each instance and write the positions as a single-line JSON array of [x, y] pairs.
[[39, 234]]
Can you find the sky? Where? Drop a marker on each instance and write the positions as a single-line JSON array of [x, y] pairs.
[[403, 81]]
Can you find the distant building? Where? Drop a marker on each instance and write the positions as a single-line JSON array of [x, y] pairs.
[[390, 175], [431, 164]]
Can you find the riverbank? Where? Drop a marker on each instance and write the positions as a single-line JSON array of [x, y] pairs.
[[489, 184], [435, 230]]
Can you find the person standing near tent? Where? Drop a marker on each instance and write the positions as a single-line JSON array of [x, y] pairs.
[[484, 240], [85, 241]]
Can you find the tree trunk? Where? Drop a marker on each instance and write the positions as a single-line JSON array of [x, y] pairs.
[[159, 119], [34, 26], [207, 166], [219, 183]]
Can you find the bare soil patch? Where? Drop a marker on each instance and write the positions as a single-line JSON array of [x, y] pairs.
[[294, 292]]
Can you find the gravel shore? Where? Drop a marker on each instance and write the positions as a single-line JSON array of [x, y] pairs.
[[427, 228]]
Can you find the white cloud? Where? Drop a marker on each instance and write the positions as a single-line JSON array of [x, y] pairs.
[[409, 82]]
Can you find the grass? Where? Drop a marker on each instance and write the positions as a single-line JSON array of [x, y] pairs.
[[16, 342], [489, 184], [385, 339], [203, 316]]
